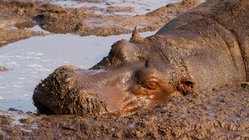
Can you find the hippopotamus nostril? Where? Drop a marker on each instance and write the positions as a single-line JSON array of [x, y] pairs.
[[186, 86]]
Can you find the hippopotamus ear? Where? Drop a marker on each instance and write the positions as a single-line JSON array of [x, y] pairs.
[[136, 36], [185, 86], [123, 50]]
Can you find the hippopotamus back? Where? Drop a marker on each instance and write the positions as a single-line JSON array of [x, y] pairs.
[[214, 42]]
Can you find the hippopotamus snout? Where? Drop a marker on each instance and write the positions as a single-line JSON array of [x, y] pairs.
[[70, 90], [58, 94]]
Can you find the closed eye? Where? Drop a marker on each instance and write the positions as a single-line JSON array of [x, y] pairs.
[[151, 83]]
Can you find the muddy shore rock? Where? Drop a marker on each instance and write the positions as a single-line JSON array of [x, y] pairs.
[[216, 114]]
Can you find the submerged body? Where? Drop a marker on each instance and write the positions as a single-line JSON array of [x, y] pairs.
[[202, 49]]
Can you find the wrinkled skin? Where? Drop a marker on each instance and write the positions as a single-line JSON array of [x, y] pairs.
[[199, 50]]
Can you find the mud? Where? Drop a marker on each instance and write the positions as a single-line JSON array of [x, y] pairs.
[[85, 23], [111, 9], [3, 69], [216, 114], [23, 14], [12, 35], [90, 0]]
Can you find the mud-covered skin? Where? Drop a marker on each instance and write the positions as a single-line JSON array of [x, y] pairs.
[[202, 49]]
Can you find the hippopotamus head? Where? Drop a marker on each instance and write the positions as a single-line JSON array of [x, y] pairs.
[[136, 74]]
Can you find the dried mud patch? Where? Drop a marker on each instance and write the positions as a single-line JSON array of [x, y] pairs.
[[218, 114]]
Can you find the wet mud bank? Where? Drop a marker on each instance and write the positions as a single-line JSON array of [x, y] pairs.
[[82, 21], [85, 23], [12, 35], [216, 114]]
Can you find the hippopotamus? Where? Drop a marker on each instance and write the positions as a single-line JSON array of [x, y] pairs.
[[205, 48]]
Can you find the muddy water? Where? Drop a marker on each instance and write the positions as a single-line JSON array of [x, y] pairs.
[[33, 59], [139, 7]]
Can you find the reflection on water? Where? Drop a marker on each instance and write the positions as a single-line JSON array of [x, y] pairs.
[[33, 59]]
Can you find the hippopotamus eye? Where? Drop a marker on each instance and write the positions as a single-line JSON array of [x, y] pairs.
[[151, 83]]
